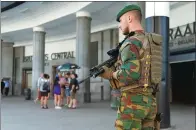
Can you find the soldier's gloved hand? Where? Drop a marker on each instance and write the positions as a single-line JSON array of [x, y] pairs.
[[107, 74]]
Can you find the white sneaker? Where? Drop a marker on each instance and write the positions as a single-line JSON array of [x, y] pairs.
[[57, 107]]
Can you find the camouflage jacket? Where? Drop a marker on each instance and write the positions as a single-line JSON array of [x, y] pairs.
[[129, 71]]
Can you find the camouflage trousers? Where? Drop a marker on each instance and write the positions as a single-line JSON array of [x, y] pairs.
[[136, 112]]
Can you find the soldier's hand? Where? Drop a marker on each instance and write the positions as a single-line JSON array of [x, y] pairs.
[[107, 74]]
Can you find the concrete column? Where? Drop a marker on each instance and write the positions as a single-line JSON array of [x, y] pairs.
[[83, 34], [38, 57], [157, 20], [7, 56], [22, 54]]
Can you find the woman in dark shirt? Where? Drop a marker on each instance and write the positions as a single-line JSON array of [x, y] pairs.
[[73, 87]]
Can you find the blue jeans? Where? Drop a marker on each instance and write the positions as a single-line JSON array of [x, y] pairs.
[[67, 92]]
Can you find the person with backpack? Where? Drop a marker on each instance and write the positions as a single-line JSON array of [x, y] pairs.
[[74, 87], [44, 88], [139, 73]]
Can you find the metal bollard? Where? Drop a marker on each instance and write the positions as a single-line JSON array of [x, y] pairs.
[[102, 93]]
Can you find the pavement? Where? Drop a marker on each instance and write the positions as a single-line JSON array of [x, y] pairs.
[[19, 114]]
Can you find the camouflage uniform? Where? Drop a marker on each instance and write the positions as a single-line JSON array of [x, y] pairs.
[[137, 107], [137, 110]]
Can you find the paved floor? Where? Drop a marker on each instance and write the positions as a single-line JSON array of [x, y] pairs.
[[18, 114]]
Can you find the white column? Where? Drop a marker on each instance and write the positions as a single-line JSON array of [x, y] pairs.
[[83, 35], [157, 9], [38, 56]]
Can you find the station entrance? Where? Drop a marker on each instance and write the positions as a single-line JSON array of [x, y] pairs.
[[183, 82]]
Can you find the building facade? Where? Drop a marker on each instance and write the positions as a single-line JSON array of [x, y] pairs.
[[59, 22]]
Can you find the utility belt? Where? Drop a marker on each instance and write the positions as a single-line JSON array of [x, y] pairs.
[[135, 88], [130, 87]]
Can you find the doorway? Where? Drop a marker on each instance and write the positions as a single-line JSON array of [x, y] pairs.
[[26, 79], [183, 84], [29, 79]]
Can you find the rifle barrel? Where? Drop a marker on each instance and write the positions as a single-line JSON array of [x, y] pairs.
[[84, 80]]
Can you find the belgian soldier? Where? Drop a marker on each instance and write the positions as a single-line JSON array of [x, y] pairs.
[[138, 109]]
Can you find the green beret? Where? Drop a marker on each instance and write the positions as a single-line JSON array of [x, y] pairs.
[[127, 9]]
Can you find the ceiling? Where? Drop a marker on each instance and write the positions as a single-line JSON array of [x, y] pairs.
[[29, 9], [101, 12], [6, 5]]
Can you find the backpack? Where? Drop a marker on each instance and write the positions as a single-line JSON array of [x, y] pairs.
[[151, 60], [45, 86]]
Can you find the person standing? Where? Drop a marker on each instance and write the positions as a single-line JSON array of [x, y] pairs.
[[62, 83], [44, 88], [67, 88], [57, 94], [73, 87], [135, 76], [2, 86], [7, 87], [38, 92]]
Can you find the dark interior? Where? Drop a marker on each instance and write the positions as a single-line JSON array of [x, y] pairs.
[[183, 82]]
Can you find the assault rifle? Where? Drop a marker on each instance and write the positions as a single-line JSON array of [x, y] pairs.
[[113, 53]]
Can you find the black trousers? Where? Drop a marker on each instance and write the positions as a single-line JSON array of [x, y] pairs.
[[2, 88], [6, 91]]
